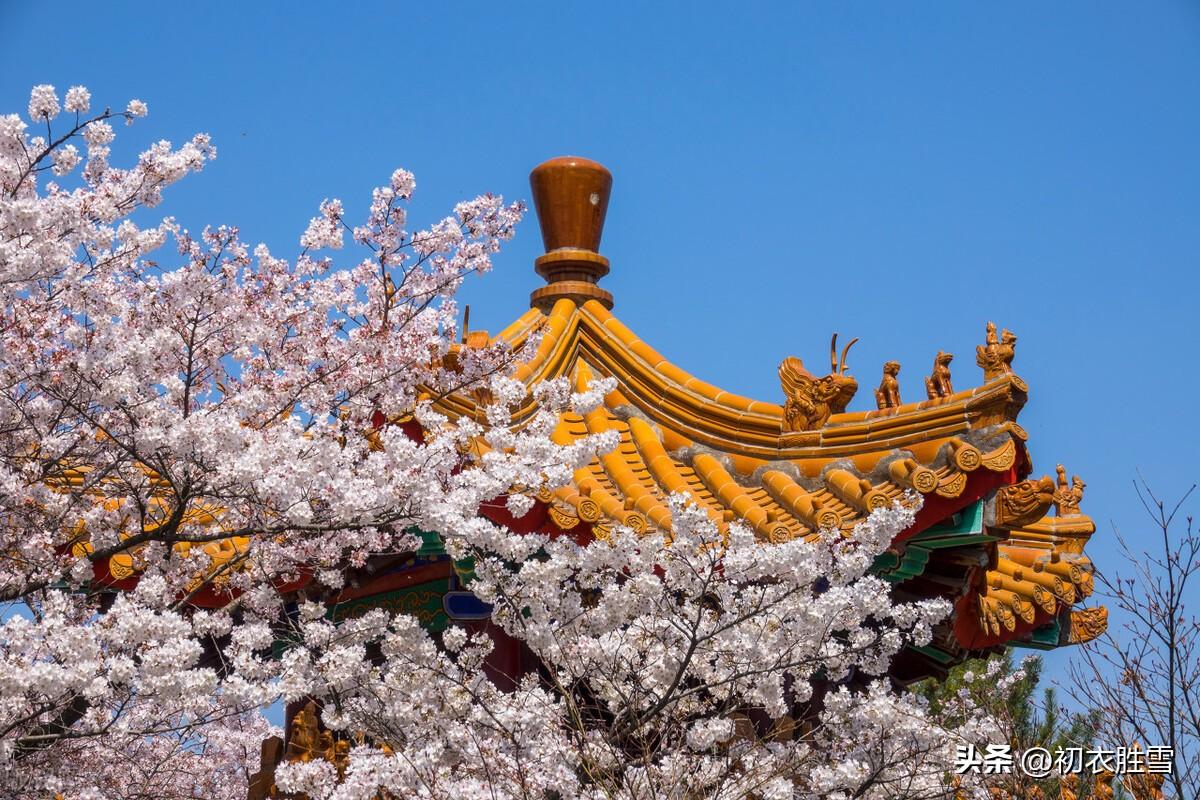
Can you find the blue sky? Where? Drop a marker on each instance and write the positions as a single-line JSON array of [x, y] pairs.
[[781, 171]]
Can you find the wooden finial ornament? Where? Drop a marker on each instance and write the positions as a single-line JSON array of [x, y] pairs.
[[571, 197]]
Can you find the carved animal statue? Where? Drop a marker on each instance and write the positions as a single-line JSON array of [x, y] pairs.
[[996, 354], [1024, 502], [810, 400], [304, 744], [938, 385], [1087, 624], [1067, 498], [888, 393]]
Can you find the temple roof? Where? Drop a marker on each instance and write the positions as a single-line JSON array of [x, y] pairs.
[[681, 434], [788, 466], [791, 465]]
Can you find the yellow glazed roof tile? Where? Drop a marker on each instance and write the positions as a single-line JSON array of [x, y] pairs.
[[732, 454]]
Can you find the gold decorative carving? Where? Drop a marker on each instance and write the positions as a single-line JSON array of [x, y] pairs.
[[304, 743], [1087, 624], [810, 400], [924, 480], [996, 355], [827, 518], [1023, 608], [953, 486], [1067, 498], [307, 741], [121, 566], [966, 456], [938, 385], [967, 459], [1016, 430], [1002, 458], [888, 394], [1044, 599], [780, 533], [563, 519], [1007, 618], [589, 510], [907, 472], [1024, 502]]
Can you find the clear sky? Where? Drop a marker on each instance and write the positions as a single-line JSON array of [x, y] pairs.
[[897, 172]]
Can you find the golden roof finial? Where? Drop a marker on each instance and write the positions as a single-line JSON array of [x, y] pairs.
[[571, 197]]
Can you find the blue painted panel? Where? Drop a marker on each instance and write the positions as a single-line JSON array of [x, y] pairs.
[[464, 605]]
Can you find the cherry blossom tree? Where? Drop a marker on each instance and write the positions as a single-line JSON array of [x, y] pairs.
[[681, 669], [221, 419]]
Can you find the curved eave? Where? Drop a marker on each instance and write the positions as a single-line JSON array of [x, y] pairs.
[[747, 430], [1032, 591], [679, 434]]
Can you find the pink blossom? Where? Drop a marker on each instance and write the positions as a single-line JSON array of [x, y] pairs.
[[212, 419], [78, 100], [43, 103]]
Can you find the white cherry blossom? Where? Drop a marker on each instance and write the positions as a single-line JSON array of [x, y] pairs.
[[204, 418]]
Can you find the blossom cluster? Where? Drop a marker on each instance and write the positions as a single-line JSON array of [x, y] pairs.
[[226, 421]]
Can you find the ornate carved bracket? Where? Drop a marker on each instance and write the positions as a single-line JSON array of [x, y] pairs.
[[1024, 502], [1087, 624]]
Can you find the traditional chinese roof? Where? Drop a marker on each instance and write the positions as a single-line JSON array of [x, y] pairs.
[[785, 467], [791, 465]]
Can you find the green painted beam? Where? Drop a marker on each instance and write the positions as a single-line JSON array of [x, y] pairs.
[[967, 521], [1044, 638]]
